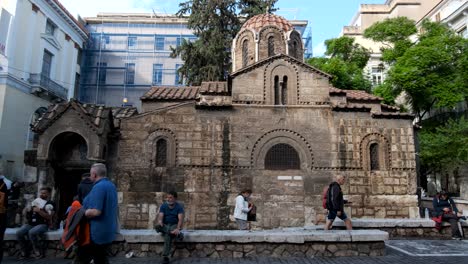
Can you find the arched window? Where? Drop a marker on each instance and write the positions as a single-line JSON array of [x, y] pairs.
[[271, 46], [374, 156], [284, 91], [282, 157], [245, 53], [161, 153], [277, 90]]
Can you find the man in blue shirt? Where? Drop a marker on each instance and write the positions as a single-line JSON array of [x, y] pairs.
[[170, 220], [101, 210]]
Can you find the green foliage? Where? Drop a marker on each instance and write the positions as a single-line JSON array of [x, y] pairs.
[[432, 71], [386, 92], [446, 145], [394, 34], [345, 63], [215, 23]]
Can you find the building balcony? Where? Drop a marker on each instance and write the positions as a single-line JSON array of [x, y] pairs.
[[44, 87]]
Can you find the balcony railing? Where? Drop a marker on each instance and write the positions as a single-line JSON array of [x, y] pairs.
[[44, 85]]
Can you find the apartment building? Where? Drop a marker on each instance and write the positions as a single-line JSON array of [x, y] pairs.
[[368, 14], [127, 54], [40, 46]]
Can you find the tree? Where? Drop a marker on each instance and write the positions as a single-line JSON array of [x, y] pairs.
[[445, 146], [215, 23], [431, 72], [345, 63]]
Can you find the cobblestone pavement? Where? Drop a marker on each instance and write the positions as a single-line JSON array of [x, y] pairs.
[[415, 252]]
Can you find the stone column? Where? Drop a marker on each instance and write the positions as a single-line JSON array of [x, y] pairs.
[[463, 182]]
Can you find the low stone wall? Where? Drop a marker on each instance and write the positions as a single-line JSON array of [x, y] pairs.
[[216, 243], [405, 228]]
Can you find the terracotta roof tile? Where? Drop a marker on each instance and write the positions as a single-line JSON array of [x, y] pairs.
[[355, 94], [171, 93], [258, 22]]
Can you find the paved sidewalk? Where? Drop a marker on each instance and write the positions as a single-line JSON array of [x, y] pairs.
[[398, 251]]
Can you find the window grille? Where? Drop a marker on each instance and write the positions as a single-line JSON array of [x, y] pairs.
[[161, 153], [282, 157], [245, 53], [374, 156], [284, 91], [277, 90]]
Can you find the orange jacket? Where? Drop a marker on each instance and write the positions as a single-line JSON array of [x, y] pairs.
[[77, 228]]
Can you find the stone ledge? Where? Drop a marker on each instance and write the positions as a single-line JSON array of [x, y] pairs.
[[293, 236], [389, 223]]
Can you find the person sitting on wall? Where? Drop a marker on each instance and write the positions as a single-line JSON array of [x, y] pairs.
[[170, 222], [445, 209], [40, 215]]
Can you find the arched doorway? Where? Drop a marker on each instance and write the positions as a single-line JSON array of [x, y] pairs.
[[68, 158]]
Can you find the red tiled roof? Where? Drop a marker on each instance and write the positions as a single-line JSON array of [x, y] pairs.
[[355, 94], [260, 21], [214, 88], [172, 93], [395, 115]]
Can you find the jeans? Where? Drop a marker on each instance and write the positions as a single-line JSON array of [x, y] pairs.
[[33, 233], [168, 238]]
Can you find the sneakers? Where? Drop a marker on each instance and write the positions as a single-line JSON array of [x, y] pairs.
[[457, 238], [165, 260], [158, 228], [180, 237]]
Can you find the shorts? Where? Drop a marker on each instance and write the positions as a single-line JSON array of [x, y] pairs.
[[332, 215], [242, 224]]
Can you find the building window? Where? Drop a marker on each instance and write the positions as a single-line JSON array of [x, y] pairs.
[[177, 74], [377, 76], [178, 41], [437, 17], [50, 28], [157, 74], [101, 72], [284, 91], [245, 53], [294, 51], [271, 46], [161, 153], [132, 42], [129, 73], [282, 157], [46, 63], [374, 156], [277, 90], [159, 43]]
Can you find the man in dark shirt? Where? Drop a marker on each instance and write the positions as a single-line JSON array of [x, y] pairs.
[[84, 187], [40, 217], [444, 206], [335, 204], [170, 220]]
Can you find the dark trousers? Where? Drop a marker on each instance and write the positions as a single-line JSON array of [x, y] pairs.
[[95, 252], [3, 225], [453, 220]]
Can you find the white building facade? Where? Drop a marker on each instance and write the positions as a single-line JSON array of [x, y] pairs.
[[40, 46]]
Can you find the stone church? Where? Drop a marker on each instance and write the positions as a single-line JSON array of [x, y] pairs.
[[276, 126]]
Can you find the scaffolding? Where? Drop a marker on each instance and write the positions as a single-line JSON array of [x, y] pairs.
[[127, 54]]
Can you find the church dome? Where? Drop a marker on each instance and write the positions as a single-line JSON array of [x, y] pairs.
[[258, 22]]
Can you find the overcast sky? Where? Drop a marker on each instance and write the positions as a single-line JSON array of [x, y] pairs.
[[326, 17]]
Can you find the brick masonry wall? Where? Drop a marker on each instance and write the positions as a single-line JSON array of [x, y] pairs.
[[216, 154]]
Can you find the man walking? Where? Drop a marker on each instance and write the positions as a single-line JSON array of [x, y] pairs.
[[84, 187], [335, 204], [170, 221], [101, 210]]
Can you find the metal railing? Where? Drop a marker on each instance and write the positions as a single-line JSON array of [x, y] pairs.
[[44, 82]]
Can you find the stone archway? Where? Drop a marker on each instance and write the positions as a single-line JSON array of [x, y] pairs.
[[68, 160]]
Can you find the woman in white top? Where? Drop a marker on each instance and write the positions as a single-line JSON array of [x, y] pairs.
[[242, 208]]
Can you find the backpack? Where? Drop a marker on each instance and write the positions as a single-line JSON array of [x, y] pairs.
[[325, 197], [3, 195]]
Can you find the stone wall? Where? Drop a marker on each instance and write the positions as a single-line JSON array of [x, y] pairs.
[[213, 155]]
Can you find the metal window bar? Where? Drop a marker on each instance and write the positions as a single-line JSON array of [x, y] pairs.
[[282, 157], [374, 156], [161, 153]]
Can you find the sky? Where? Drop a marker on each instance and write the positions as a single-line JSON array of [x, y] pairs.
[[326, 17]]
